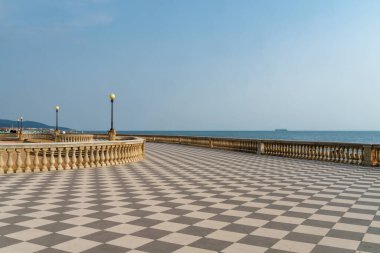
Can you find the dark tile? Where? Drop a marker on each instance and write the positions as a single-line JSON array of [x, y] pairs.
[[210, 244], [103, 236], [258, 241], [145, 222], [299, 237], [100, 215], [373, 230], [212, 210], [7, 241], [297, 214], [277, 251], [103, 248], [102, 224], [261, 216], [240, 228], [176, 211], [151, 233], [345, 235], [326, 249], [317, 223], [16, 219], [56, 226], [140, 213], [51, 250], [51, 239], [369, 247], [280, 226], [60, 217], [9, 229], [355, 221], [225, 218], [186, 220], [159, 247], [197, 231]]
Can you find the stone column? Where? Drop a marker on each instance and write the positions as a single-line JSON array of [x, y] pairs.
[[369, 156]]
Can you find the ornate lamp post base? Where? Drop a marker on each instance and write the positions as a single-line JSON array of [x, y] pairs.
[[112, 134], [56, 134], [21, 136]]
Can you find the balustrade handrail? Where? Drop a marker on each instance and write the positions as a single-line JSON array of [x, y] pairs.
[[348, 153], [35, 157]]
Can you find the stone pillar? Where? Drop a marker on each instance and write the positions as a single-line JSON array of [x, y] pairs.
[[369, 156], [260, 148], [56, 135], [112, 134]]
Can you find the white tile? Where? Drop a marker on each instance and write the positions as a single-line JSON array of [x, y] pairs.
[[76, 245], [129, 241]]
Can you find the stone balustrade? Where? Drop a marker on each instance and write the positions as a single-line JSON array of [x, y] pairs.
[[37, 136], [36, 157], [75, 138], [346, 153]]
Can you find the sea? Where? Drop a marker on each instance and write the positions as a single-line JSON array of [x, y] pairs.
[[365, 137]]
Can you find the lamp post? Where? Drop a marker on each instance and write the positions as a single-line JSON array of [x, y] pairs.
[[21, 118], [112, 132], [18, 125], [20, 134], [56, 120]]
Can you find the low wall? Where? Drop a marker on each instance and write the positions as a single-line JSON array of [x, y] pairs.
[[347, 153], [35, 157]]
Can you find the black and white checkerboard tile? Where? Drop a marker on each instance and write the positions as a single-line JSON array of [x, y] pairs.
[[185, 199]]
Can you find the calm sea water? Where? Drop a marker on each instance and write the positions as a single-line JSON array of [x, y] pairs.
[[371, 137]]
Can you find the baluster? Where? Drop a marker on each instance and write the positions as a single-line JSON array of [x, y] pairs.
[[2, 167], [36, 160], [80, 158], [97, 156], [346, 154], [112, 151], [92, 157], [356, 156], [10, 161], [107, 161], [133, 152], [74, 159], [44, 160], [309, 152], [59, 161], [325, 153], [67, 158], [318, 152], [130, 153], [86, 158], [121, 154], [102, 157], [360, 160], [337, 159], [116, 156], [52, 159], [18, 161], [350, 155], [27, 160]]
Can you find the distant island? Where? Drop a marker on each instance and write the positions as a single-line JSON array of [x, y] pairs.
[[5, 123], [281, 130]]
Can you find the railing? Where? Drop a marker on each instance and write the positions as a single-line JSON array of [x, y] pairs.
[[346, 153], [35, 157], [75, 138], [37, 136]]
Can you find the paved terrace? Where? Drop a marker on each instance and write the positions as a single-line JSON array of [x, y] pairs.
[[187, 199]]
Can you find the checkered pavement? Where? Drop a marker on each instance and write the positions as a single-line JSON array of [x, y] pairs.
[[185, 199]]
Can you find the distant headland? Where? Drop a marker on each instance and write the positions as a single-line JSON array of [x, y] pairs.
[[5, 123]]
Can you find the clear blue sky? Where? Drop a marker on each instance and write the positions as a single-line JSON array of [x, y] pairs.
[[192, 64]]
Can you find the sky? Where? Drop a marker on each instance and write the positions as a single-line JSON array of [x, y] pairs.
[[192, 64]]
